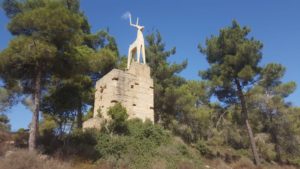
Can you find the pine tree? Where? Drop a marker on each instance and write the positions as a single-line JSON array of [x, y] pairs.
[[233, 59], [267, 99], [45, 33], [70, 96], [164, 74]]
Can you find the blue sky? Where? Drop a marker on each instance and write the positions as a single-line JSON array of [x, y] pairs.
[[185, 24]]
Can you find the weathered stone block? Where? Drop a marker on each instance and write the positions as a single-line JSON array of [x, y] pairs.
[[132, 88]]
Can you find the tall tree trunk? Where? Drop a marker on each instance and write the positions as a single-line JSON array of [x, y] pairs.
[[246, 121], [274, 133], [79, 115], [278, 152], [33, 133]]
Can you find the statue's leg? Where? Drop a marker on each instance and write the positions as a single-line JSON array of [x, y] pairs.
[[144, 55], [138, 50], [129, 56]]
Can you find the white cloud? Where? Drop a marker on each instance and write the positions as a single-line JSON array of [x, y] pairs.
[[126, 15]]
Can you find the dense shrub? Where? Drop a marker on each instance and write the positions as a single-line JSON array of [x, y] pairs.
[[119, 116], [148, 131], [295, 161], [81, 144], [182, 130], [124, 143], [78, 144], [203, 148], [135, 147], [21, 138], [108, 145]]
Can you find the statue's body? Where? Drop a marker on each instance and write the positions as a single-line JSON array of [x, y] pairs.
[[138, 45]]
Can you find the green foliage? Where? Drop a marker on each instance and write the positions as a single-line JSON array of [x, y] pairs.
[[147, 131], [77, 145], [11, 7], [47, 125], [4, 123], [21, 138], [69, 59], [271, 75], [65, 101], [48, 129], [142, 146], [6, 100], [59, 20], [233, 58], [136, 147], [82, 144], [19, 59], [203, 148], [193, 110], [234, 69], [104, 40], [105, 60], [41, 49], [131, 140], [295, 161], [90, 114], [273, 114], [176, 155], [119, 115], [164, 75]]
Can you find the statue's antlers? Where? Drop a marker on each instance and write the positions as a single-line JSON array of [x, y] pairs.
[[137, 21], [129, 16]]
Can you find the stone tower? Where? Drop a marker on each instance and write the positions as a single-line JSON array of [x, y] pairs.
[[132, 88]]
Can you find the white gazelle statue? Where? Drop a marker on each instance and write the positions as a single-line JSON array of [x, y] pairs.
[[138, 45]]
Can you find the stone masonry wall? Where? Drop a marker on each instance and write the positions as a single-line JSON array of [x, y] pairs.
[[132, 88]]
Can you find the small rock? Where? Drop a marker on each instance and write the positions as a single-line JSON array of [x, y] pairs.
[[8, 154], [43, 157]]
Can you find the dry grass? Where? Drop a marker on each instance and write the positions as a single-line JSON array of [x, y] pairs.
[[4, 145], [4, 148], [23, 159], [243, 163]]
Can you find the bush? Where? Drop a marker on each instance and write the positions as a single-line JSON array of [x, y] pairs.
[[119, 116], [136, 147], [80, 144], [182, 130], [111, 146], [21, 138], [236, 137], [4, 122], [203, 149], [266, 149], [244, 163], [294, 161], [176, 154], [149, 131]]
